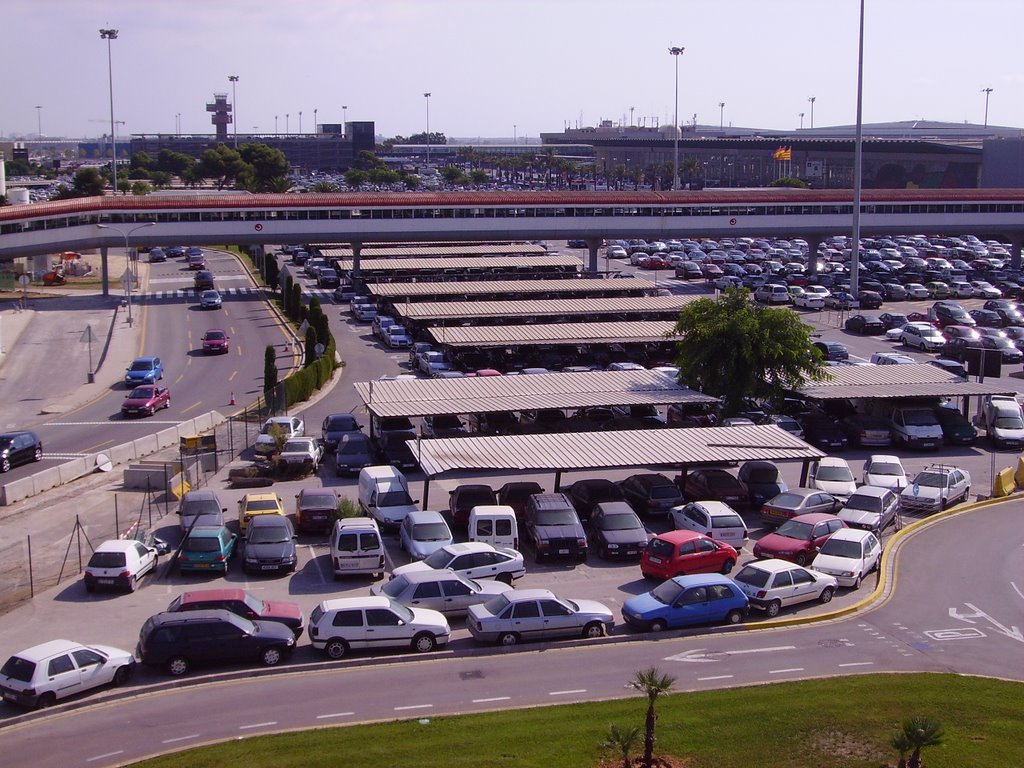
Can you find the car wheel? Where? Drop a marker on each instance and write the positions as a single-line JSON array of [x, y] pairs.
[[336, 649], [177, 665], [508, 639], [133, 583], [944, 504], [727, 565], [734, 617], [167, 403], [5, 465], [424, 642], [38, 455], [46, 700], [122, 675], [504, 578], [593, 629], [801, 558], [658, 626], [271, 656], [826, 595], [857, 581], [772, 609], [967, 494]]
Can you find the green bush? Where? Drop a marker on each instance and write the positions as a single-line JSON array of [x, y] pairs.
[[347, 508]]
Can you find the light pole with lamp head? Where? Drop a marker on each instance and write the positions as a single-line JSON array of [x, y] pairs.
[[986, 91], [314, 120], [287, 130], [812, 99], [275, 125], [127, 279], [300, 122], [39, 121], [801, 121], [108, 35], [721, 115], [675, 51], [344, 119], [234, 107], [427, 97]]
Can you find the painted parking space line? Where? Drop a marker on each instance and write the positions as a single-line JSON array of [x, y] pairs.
[[858, 664], [567, 693], [413, 706], [784, 671], [715, 677]]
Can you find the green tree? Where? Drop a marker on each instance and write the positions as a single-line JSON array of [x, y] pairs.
[[269, 368], [734, 349], [296, 309], [356, 177], [160, 178], [789, 181], [267, 164], [384, 176], [622, 740], [222, 164], [311, 342], [915, 734], [436, 137], [279, 185], [273, 273], [453, 175], [286, 295], [176, 163], [18, 167], [652, 683], [88, 182], [411, 180], [325, 187], [367, 161], [141, 188], [479, 176], [140, 161]]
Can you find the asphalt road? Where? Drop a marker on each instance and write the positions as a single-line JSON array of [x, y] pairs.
[[965, 627]]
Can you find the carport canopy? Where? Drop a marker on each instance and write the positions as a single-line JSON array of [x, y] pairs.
[[893, 382]]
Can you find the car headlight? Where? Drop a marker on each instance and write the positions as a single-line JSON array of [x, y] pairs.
[[847, 574], [250, 559]]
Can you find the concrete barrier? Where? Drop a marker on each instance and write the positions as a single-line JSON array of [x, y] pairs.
[[16, 490], [122, 454], [145, 446], [145, 478], [45, 479], [167, 438], [1018, 476], [76, 468], [1004, 484]]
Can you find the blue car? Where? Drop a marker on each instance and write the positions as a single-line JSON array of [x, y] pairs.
[[143, 370], [207, 548], [705, 598]]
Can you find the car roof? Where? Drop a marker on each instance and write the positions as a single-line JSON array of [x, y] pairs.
[[832, 461], [43, 651], [813, 517], [714, 508], [202, 595], [773, 565], [201, 494], [271, 496], [461, 548], [701, 579], [426, 516], [870, 490], [518, 595], [364, 601], [116, 545], [145, 359], [851, 534], [212, 531], [680, 536], [430, 574]]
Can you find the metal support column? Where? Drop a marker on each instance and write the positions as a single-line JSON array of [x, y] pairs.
[[104, 271], [593, 244]]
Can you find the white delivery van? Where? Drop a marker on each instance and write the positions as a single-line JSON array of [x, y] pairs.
[[384, 495], [915, 427], [494, 524], [1004, 422], [356, 547]]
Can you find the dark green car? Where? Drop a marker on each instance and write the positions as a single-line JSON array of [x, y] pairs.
[[956, 429]]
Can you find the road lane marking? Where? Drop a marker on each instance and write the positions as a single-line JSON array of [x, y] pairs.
[[784, 671], [567, 693], [102, 423], [194, 405], [232, 376], [239, 349], [1015, 589], [413, 706], [334, 714], [100, 757], [715, 677], [858, 664], [701, 654], [492, 699], [180, 738], [316, 560], [257, 725]]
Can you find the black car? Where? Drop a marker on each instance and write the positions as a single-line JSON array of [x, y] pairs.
[[554, 528], [204, 280], [337, 425], [586, 494], [893, 320], [651, 493], [986, 318], [1007, 311], [393, 448], [269, 545], [894, 292], [832, 350], [462, 500], [176, 641], [869, 299], [327, 278], [824, 432], [865, 324], [616, 531], [19, 448], [515, 494]]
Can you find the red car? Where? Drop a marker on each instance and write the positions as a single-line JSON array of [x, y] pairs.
[[679, 552], [714, 485], [215, 341], [146, 400], [799, 538], [241, 603]]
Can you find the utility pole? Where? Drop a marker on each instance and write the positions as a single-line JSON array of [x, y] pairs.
[[986, 91], [676, 52], [234, 108]]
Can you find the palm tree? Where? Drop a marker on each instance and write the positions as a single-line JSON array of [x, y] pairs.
[[622, 740], [652, 683], [915, 734]]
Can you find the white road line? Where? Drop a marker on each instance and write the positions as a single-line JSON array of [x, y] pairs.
[[100, 757], [316, 560], [784, 671], [257, 725], [715, 677], [102, 423], [1015, 589], [413, 706], [335, 714], [494, 698], [567, 693], [180, 738], [858, 664], [761, 650]]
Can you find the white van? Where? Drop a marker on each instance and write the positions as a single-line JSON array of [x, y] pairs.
[[356, 547], [494, 524], [1004, 421], [384, 495], [915, 427]]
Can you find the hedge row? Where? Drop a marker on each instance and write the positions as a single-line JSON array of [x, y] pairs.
[[303, 383]]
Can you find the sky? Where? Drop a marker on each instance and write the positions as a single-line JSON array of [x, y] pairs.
[[498, 68]]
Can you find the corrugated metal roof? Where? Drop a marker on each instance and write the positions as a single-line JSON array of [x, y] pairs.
[[553, 333], [455, 262], [470, 287], [425, 397], [895, 381], [445, 310], [598, 450], [454, 249]]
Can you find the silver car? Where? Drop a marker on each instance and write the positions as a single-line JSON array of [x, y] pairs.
[[442, 590], [536, 614]]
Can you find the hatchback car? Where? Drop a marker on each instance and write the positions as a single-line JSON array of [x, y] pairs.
[[922, 336], [19, 448], [352, 454], [143, 370], [762, 479], [865, 324], [834, 476], [832, 350], [586, 494], [145, 400], [872, 509], [119, 564], [38, 676], [423, 532], [797, 501], [269, 545], [651, 493], [936, 487], [615, 530], [200, 507], [203, 280], [716, 485], [464, 497], [474, 559], [286, 426], [713, 519], [353, 623], [441, 590], [536, 614], [257, 504], [849, 555], [207, 548], [215, 342], [687, 600], [772, 585], [677, 552], [798, 540], [884, 471], [315, 509], [244, 604]]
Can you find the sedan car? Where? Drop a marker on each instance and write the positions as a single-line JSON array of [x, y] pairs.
[[254, 505], [865, 324], [474, 559], [687, 600], [144, 370], [210, 299], [302, 454], [936, 487], [772, 585], [586, 494], [423, 532], [714, 519], [315, 509], [145, 400], [923, 336], [215, 342], [849, 555], [207, 548], [615, 530], [832, 350], [38, 676], [651, 493], [277, 426], [798, 540], [536, 614], [797, 501], [441, 590], [352, 453], [872, 509], [833, 475], [269, 545], [762, 479], [884, 471], [716, 485]]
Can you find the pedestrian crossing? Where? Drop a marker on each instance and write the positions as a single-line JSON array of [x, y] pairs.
[[324, 294]]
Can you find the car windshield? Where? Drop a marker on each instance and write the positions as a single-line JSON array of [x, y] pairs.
[[349, 447], [141, 393], [200, 507], [931, 479], [340, 423], [795, 529], [660, 547], [496, 605], [755, 577], [399, 498], [317, 501], [142, 365], [215, 335], [839, 474], [1009, 422], [919, 418], [787, 501], [395, 587], [296, 446], [18, 669], [255, 604], [886, 468], [556, 517], [438, 559], [401, 611], [269, 534], [763, 475], [841, 548], [621, 522], [726, 521], [720, 481], [107, 560], [201, 544], [864, 502], [667, 592], [665, 492], [431, 532]]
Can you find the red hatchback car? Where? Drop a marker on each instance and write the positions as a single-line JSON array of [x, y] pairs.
[[798, 539], [680, 552], [714, 485], [146, 400], [215, 341]]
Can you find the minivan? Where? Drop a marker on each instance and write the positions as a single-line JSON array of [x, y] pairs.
[[384, 494], [494, 524], [916, 427], [357, 547]]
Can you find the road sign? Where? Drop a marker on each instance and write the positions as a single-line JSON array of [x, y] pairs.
[[126, 279], [24, 280]]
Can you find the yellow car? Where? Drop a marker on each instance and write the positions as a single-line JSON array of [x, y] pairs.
[[253, 504]]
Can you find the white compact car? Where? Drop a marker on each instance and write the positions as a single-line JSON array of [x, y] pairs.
[[833, 475], [423, 532], [715, 519], [884, 471], [772, 585], [849, 555], [119, 564], [351, 623], [474, 559], [38, 676]]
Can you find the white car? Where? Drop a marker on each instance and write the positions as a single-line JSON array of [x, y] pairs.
[[444, 591], [423, 532], [772, 585], [474, 559], [350, 623], [290, 426], [848, 555], [38, 676], [536, 614], [834, 476], [432, 362], [916, 291], [396, 337], [301, 452], [119, 564], [936, 487], [922, 336], [891, 358], [812, 297], [884, 471], [715, 519]]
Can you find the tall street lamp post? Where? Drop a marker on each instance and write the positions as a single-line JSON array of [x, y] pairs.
[[234, 107], [675, 51], [721, 115], [986, 91], [801, 121], [300, 122], [858, 179], [812, 100], [127, 279], [314, 120], [427, 97], [344, 119], [39, 121], [108, 35]]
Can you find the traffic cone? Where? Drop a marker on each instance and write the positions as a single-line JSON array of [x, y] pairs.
[[232, 399]]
